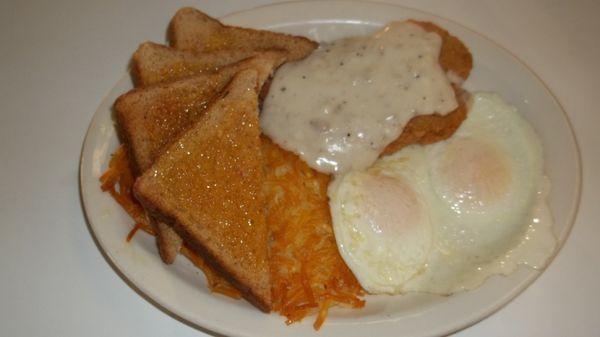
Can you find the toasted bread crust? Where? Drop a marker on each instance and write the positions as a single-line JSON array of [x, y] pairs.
[[169, 243], [193, 30]]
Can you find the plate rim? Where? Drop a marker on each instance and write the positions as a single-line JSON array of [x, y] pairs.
[[206, 326]]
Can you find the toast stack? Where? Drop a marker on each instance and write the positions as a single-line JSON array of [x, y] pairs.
[[195, 100]]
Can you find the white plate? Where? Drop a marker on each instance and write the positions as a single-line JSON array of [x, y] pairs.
[[181, 289]]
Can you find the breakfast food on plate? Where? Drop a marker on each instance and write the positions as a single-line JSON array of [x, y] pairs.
[[208, 183], [192, 30], [368, 169], [441, 218], [151, 118], [317, 106], [456, 60], [455, 57], [118, 181], [154, 63], [307, 271]]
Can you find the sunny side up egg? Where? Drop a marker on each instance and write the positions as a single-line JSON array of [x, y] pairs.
[[442, 218]]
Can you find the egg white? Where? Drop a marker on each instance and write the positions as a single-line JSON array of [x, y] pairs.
[[387, 232], [467, 208]]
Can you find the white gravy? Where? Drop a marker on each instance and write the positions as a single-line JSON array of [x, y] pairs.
[[342, 105]]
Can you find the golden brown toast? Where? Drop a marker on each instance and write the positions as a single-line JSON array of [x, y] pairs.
[[207, 185], [154, 63], [193, 30], [151, 118]]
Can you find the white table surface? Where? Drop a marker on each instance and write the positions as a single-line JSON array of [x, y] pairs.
[[58, 60]]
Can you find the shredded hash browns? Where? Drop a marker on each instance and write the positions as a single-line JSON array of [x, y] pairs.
[[307, 271]]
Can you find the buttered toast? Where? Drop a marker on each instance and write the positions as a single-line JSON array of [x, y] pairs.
[[193, 30], [151, 118], [189, 31], [153, 63], [207, 185]]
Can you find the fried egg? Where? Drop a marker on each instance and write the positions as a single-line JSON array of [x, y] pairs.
[[442, 218]]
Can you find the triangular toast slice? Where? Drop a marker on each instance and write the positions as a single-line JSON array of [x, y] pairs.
[[151, 118], [207, 185], [153, 63], [193, 30]]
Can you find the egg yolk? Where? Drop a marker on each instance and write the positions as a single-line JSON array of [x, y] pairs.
[[474, 173], [391, 206]]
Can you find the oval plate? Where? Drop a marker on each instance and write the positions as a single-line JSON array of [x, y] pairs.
[[181, 289]]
